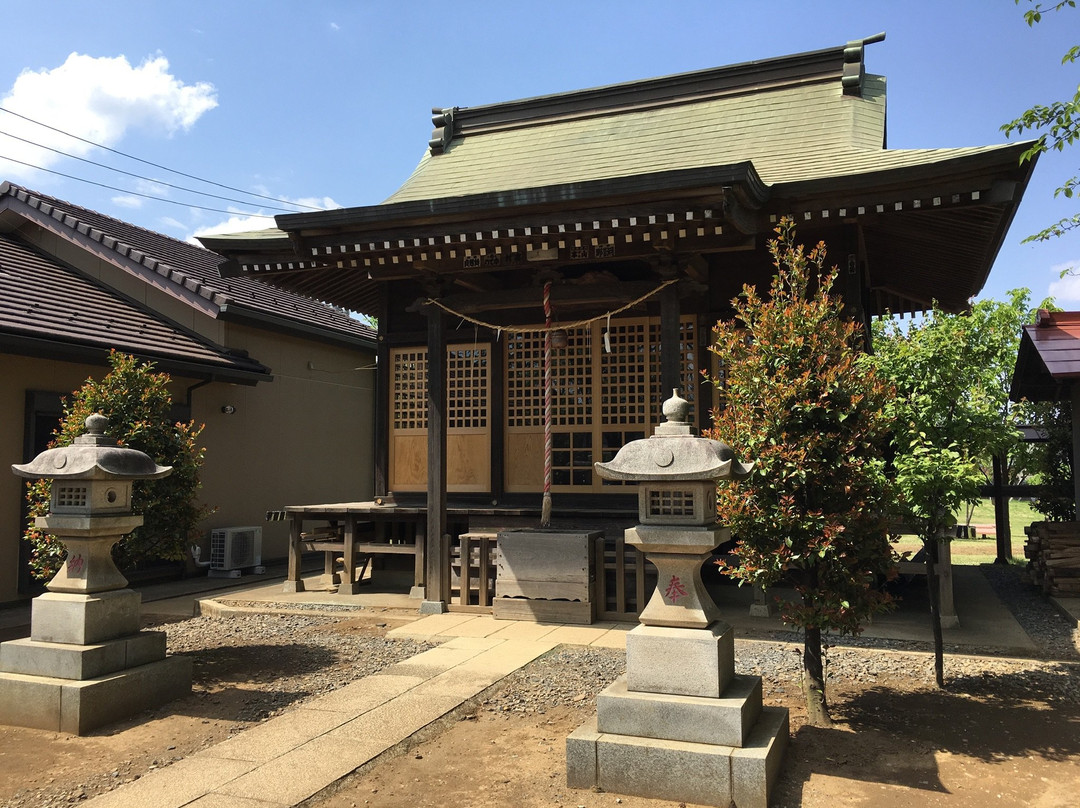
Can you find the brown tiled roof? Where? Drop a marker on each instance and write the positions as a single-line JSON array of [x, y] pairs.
[[50, 309], [1049, 358], [195, 270]]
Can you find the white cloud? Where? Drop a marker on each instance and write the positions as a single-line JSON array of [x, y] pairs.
[[143, 189], [131, 202], [335, 27], [318, 202], [242, 222], [173, 224], [99, 99], [1066, 290]]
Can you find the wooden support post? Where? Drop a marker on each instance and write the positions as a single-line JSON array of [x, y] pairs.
[[419, 537], [1074, 392], [349, 585], [1001, 512], [382, 408], [762, 606], [497, 419], [434, 594], [946, 604], [670, 333], [293, 582]]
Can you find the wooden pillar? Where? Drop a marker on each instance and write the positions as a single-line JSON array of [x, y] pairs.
[[293, 581], [946, 604], [670, 333], [382, 406], [349, 585], [1001, 512], [1074, 393], [434, 596]]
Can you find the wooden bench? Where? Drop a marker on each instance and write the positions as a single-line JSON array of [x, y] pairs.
[[352, 531], [330, 540]]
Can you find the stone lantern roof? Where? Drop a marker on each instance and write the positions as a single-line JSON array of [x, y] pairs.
[[92, 456], [674, 453]]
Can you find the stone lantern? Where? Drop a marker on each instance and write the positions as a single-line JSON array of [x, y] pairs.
[[90, 507], [86, 662], [681, 724]]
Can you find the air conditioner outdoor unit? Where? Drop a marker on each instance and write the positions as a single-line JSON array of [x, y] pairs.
[[235, 548]]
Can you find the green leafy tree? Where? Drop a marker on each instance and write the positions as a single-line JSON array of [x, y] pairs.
[[1058, 125], [948, 413], [1054, 460], [1000, 325], [801, 404], [136, 401]]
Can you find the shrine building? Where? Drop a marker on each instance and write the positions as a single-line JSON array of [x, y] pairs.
[[642, 208]]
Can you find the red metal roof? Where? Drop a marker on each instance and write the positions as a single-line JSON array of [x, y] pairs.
[[1049, 357]]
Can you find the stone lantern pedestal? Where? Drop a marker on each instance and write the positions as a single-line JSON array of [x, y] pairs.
[[681, 725], [86, 663]]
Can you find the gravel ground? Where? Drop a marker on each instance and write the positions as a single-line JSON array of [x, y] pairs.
[[571, 676], [1056, 636], [305, 655]]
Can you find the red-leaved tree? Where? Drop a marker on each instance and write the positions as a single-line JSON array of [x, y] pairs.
[[799, 401]]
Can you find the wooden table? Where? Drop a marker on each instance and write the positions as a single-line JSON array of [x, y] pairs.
[[349, 515]]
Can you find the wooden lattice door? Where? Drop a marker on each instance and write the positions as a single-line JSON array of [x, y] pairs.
[[601, 401], [468, 433]]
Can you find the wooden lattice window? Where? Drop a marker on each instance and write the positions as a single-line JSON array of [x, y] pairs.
[[601, 401], [408, 381], [572, 379], [688, 370], [467, 388], [525, 380], [624, 383], [572, 458]]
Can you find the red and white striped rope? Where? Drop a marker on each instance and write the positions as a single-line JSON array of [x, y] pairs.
[[547, 391]]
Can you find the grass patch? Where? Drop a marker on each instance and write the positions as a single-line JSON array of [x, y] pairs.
[[983, 549], [1021, 514], [964, 551]]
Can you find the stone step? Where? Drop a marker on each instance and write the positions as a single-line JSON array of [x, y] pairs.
[[77, 707], [727, 720], [705, 774], [80, 662]]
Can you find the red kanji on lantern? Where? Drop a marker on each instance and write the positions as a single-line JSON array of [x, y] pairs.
[[75, 565], [674, 589]]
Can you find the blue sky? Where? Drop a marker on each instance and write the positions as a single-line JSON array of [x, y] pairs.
[[328, 103]]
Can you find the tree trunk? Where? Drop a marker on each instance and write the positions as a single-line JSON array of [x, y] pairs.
[[813, 680], [930, 546]]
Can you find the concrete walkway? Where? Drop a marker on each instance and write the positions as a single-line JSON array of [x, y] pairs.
[[296, 755]]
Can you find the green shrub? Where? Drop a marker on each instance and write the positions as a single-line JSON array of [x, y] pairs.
[[136, 401]]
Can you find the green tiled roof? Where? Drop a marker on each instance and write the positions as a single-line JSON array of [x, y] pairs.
[[790, 133], [801, 135]]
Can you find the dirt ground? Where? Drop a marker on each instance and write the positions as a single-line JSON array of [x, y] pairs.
[[896, 743], [893, 745]]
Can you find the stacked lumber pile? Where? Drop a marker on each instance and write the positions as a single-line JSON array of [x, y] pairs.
[[1053, 552]]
